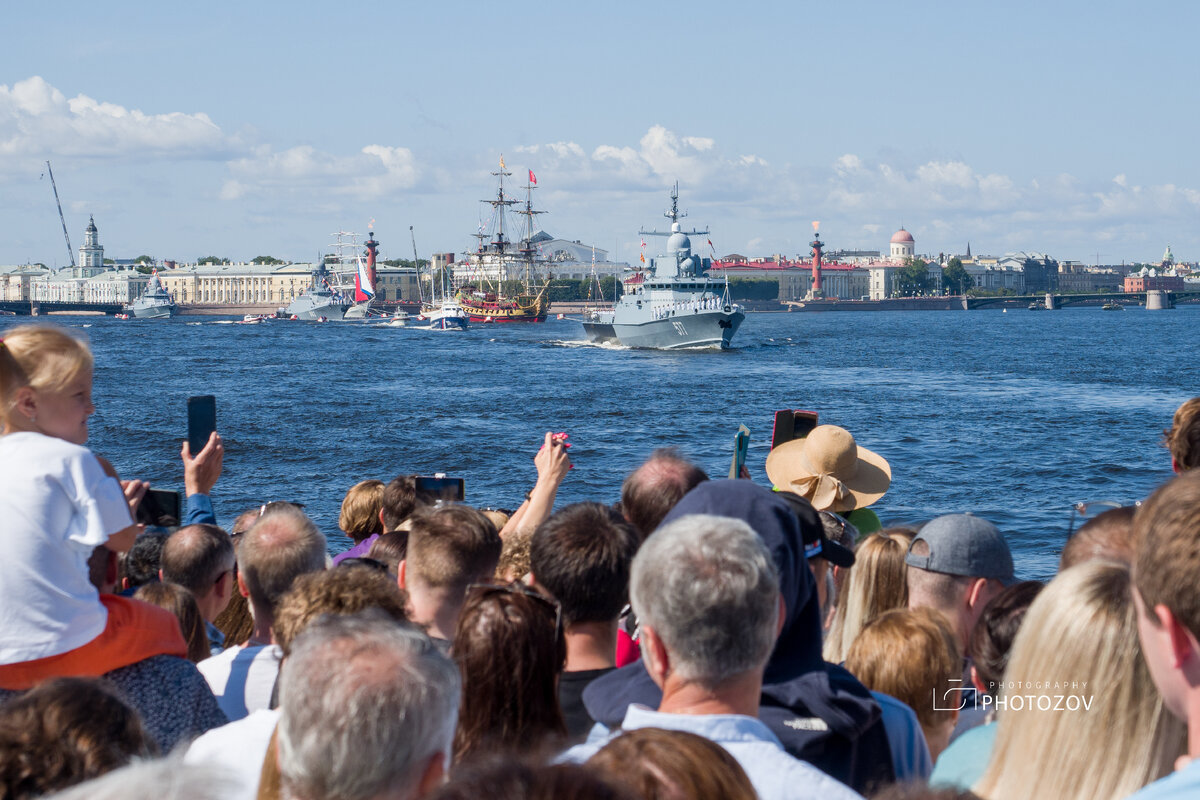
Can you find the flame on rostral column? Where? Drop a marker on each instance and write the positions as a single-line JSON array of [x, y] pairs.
[[371, 224], [816, 226]]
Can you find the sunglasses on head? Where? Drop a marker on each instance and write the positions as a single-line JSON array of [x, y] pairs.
[[516, 587]]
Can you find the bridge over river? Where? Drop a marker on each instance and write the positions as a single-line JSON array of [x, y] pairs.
[[1049, 300]]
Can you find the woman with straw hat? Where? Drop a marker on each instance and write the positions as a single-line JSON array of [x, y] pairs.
[[830, 470]]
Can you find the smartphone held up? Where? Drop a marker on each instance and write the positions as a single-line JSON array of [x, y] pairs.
[[202, 421]]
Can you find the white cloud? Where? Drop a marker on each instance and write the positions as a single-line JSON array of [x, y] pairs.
[[860, 199], [847, 164], [375, 171], [38, 121]]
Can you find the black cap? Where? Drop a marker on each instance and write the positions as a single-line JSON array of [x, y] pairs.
[[812, 529]]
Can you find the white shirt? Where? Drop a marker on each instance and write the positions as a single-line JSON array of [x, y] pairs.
[[775, 774], [238, 750], [242, 678], [56, 507]]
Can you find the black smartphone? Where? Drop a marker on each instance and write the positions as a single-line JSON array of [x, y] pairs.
[[202, 421], [439, 487], [792, 424], [159, 507]]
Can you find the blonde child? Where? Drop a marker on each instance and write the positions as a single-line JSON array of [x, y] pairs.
[[58, 503]]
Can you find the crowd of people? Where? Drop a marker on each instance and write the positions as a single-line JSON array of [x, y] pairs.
[[696, 639]]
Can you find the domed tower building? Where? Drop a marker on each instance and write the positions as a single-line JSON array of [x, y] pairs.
[[91, 255], [902, 246]]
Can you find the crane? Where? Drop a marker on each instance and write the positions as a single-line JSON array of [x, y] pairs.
[[70, 250]]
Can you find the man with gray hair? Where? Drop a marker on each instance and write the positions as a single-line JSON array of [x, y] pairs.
[[369, 708], [707, 594], [281, 545]]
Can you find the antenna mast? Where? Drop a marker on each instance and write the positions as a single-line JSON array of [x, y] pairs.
[[417, 267], [62, 219]]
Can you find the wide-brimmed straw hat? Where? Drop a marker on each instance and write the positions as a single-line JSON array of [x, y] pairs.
[[830, 470]]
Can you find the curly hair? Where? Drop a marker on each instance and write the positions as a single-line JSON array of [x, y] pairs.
[[341, 590], [1183, 437], [63, 732]]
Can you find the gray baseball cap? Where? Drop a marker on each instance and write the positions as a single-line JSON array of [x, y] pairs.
[[966, 545]]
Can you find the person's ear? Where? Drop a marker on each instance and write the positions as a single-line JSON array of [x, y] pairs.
[[977, 593], [1183, 644], [225, 585], [25, 401], [160, 577], [401, 569], [434, 775], [654, 655], [112, 569], [782, 616], [241, 584], [382, 524], [976, 681]]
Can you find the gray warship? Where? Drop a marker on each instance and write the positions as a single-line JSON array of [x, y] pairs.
[[154, 303], [675, 304], [319, 302]]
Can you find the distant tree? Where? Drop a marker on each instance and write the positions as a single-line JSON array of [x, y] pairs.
[[108, 261], [956, 277], [754, 288], [422, 264], [144, 269], [212, 260], [590, 292], [267, 260], [913, 278], [144, 260], [564, 290]]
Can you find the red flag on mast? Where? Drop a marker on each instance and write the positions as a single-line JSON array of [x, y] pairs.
[[532, 178]]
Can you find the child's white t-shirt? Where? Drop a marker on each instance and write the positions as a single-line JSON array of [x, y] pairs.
[[56, 506]]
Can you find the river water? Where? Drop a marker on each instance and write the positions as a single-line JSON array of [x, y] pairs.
[[1013, 416]]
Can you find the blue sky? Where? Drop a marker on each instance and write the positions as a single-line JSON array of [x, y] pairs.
[[237, 129]]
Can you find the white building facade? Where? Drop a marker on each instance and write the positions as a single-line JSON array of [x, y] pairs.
[[91, 254]]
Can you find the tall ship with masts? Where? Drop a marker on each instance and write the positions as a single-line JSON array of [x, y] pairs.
[[498, 263]]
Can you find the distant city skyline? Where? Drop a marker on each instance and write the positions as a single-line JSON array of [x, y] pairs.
[[222, 130]]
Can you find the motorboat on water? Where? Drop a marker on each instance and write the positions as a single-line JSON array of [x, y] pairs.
[[1112, 305], [255, 319], [446, 316]]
